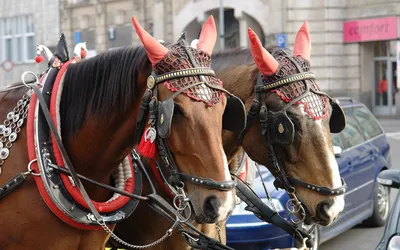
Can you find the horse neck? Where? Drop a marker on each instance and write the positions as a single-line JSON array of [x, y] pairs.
[[240, 81], [100, 146]]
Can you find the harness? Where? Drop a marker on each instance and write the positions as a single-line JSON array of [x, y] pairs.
[[278, 129], [160, 119]]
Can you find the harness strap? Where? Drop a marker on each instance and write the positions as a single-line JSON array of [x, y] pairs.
[[12, 184], [265, 213], [209, 183]]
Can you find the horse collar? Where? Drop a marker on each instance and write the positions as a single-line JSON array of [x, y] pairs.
[[61, 194]]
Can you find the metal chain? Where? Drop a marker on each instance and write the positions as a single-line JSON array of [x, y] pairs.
[[12, 126], [181, 203], [126, 244], [218, 228]]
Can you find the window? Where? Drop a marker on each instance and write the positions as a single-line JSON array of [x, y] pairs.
[[17, 39], [367, 121], [337, 141], [351, 133]]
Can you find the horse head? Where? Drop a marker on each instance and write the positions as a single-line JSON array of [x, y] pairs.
[[296, 119], [190, 104]]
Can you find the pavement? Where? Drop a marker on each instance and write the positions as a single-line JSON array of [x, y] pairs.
[[362, 238]]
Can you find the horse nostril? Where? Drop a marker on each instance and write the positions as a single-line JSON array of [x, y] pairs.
[[211, 207], [323, 208]]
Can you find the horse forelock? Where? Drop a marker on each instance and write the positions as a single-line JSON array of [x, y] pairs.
[[105, 85]]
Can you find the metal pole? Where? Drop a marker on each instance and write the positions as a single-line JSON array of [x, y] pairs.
[[221, 25]]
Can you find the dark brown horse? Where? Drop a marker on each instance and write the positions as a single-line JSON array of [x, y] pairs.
[[99, 106], [308, 156]]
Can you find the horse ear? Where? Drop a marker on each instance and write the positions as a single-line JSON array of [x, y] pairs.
[[208, 36], [155, 50], [265, 62], [302, 43]]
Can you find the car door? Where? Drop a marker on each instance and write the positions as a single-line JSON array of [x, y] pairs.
[[359, 157]]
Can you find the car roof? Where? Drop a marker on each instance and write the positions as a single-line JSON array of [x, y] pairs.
[[345, 101]]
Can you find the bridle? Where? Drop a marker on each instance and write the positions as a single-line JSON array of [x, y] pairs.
[[161, 114], [277, 128]]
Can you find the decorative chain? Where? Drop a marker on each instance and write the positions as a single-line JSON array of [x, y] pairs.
[[12, 126]]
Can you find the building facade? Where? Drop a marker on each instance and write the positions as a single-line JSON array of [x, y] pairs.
[[361, 65], [23, 24]]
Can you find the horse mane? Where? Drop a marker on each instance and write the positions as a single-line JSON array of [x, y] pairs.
[[103, 85]]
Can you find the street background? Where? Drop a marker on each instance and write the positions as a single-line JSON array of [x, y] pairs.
[[362, 238]]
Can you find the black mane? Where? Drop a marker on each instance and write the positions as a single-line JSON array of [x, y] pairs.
[[101, 86]]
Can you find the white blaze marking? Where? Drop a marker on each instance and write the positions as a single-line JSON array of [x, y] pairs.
[[228, 205], [338, 202]]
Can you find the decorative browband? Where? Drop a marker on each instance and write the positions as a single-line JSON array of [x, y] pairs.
[[284, 81], [155, 79]]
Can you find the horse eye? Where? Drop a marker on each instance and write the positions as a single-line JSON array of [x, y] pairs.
[[178, 111]]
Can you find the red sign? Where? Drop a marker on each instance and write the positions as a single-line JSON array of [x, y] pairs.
[[7, 65], [370, 29]]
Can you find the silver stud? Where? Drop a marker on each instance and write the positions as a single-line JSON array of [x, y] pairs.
[[201, 181], [308, 186], [333, 192], [222, 185], [10, 115], [192, 179], [317, 189], [15, 118], [12, 137], [2, 128], [1, 144], [313, 188], [20, 122], [4, 153], [7, 132]]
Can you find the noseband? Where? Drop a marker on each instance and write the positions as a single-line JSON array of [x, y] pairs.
[[161, 114], [277, 128]]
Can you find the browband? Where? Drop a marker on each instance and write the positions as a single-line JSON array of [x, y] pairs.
[[284, 81], [155, 79]]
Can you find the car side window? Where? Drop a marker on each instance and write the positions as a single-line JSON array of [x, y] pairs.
[[369, 125], [352, 132], [337, 141]]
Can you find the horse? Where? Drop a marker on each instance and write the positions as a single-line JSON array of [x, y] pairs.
[[94, 113], [291, 136]]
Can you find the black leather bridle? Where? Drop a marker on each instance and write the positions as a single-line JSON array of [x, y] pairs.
[[269, 119], [151, 105]]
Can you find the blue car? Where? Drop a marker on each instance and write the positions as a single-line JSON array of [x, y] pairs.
[[362, 152]]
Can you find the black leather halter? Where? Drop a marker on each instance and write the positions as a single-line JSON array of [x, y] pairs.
[[270, 120], [161, 113]]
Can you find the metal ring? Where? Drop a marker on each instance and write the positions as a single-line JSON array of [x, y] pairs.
[[298, 221], [23, 78], [30, 169], [295, 206]]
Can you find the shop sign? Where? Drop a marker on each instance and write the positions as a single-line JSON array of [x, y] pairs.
[[370, 29]]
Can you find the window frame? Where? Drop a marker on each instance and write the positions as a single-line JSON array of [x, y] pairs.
[[23, 32]]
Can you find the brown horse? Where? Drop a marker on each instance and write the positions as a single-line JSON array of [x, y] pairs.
[[308, 157], [99, 106]]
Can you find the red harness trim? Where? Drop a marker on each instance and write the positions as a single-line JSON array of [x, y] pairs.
[[73, 191]]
